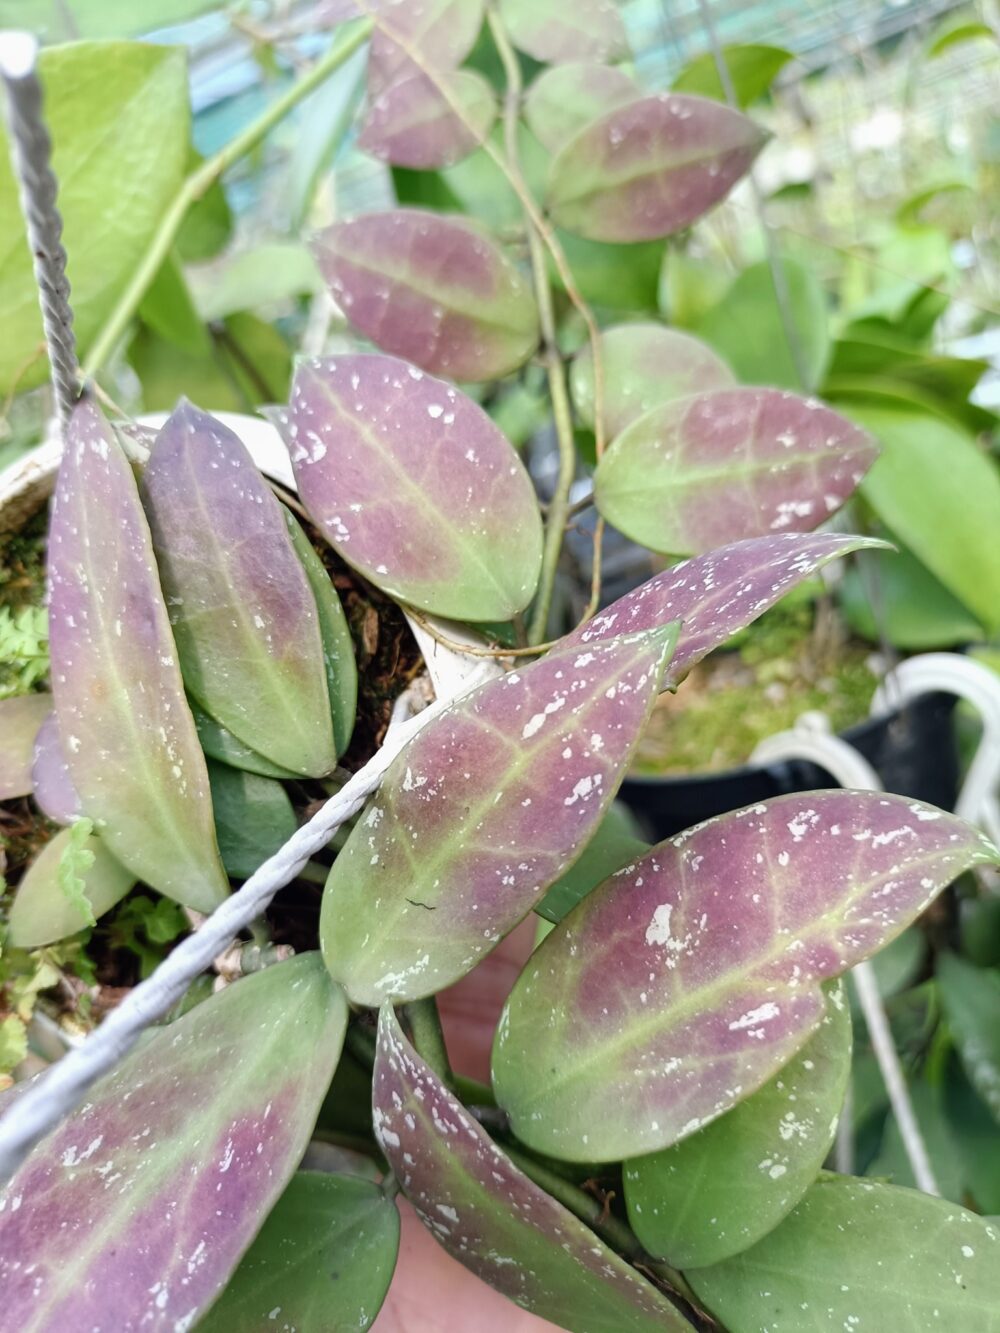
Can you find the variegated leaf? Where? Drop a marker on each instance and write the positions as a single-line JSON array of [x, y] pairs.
[[644, 366], [20, 720], [565, 98], [480, 813], [427, 122], [128, 736], [411, 482], [42, 912], [435, 290], [441, 32], [716, 1193], [135, 1211], [552, 31], [729, 464], [689, 978], [650, 168], [242, 610], [715, 595], [490, 1217], [51, 784]]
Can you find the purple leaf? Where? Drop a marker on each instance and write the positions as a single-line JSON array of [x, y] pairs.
[[721, 466], [52, 786], [136, 1210], [553, 31], [480, 813], [645, 366], [490, 1217], [650, 168], [435, 290], [411, 482], [242, 610], [690, 977], [42, 912], [715, 595], [128, 736], [20, 719], [426, 123], [442, 31], [564, 99]]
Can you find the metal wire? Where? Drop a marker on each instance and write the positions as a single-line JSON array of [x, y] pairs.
[[31, 150]]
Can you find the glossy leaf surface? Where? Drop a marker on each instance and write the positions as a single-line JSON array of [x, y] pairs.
[[730, 464], [856, 1255], [128, 737], [221, 744], [480, 813], [553, 32], [443, 32], [687, 980], [717, 1192], [242, 610], [52, 786], [971, 999], [414, 486], [164, 1174], [323, 1260], [715, 595], [645, 366], [20, 720], [42, 912], [427, 122], [565, 98], [437, 291], [490, 1217], [253, 818], [650, 168]]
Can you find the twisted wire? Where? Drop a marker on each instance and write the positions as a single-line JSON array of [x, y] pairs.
[[31, 152]]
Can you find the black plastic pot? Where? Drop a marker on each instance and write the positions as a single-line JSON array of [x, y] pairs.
[[912, 749]]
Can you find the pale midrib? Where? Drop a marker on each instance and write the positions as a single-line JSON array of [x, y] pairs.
[[682, 477], [643, 172]]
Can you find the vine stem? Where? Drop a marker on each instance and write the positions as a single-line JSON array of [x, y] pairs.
[[203, 178]]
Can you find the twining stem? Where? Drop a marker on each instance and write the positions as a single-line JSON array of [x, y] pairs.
[[203, 178], [428, 1038]]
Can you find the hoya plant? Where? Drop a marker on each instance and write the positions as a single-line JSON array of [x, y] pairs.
[[670, 1063]]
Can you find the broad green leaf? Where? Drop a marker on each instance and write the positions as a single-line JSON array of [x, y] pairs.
[[618, 277], [240, 604], [644, 366], [752, 70], [167, 308], [729, 464], [689, 286], [490, 1217], [67, 20], [481, 812], [440, 32], [717, 1192], [429, 121], [565, 98], [437, 291], [893, 1164], [971, 999], [859, 1256], [616, 841], [276, 272], [208, 223], [715, 595], [128, 736], [553, 32], [899, 597], [650, 168], [118, 116], [748, 328], [42, 913], [338, 646], [218, 743], [414, 486], [323, 1260], [940, 494], [253, 818], [687, 980], [164, 1174], [20, 720], [51, 785], [975, 1140]]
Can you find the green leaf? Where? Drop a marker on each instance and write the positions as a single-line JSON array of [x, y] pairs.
[[66, 20], [169, 1167], [250, 364], [940, 494], [690, 287], [43, 911], [208, 223], [855, 1255], [971, 999], [218, 743], [914, 609], [719, 1191], [616, 842], [118, 116], [554, 32], [565, 98], [951, 32], [616, 277], [323, 1260], [748, 331], [892, 1162], [752, 70], [274, 273], [13, 1043], [169, 310], [253, 818]]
